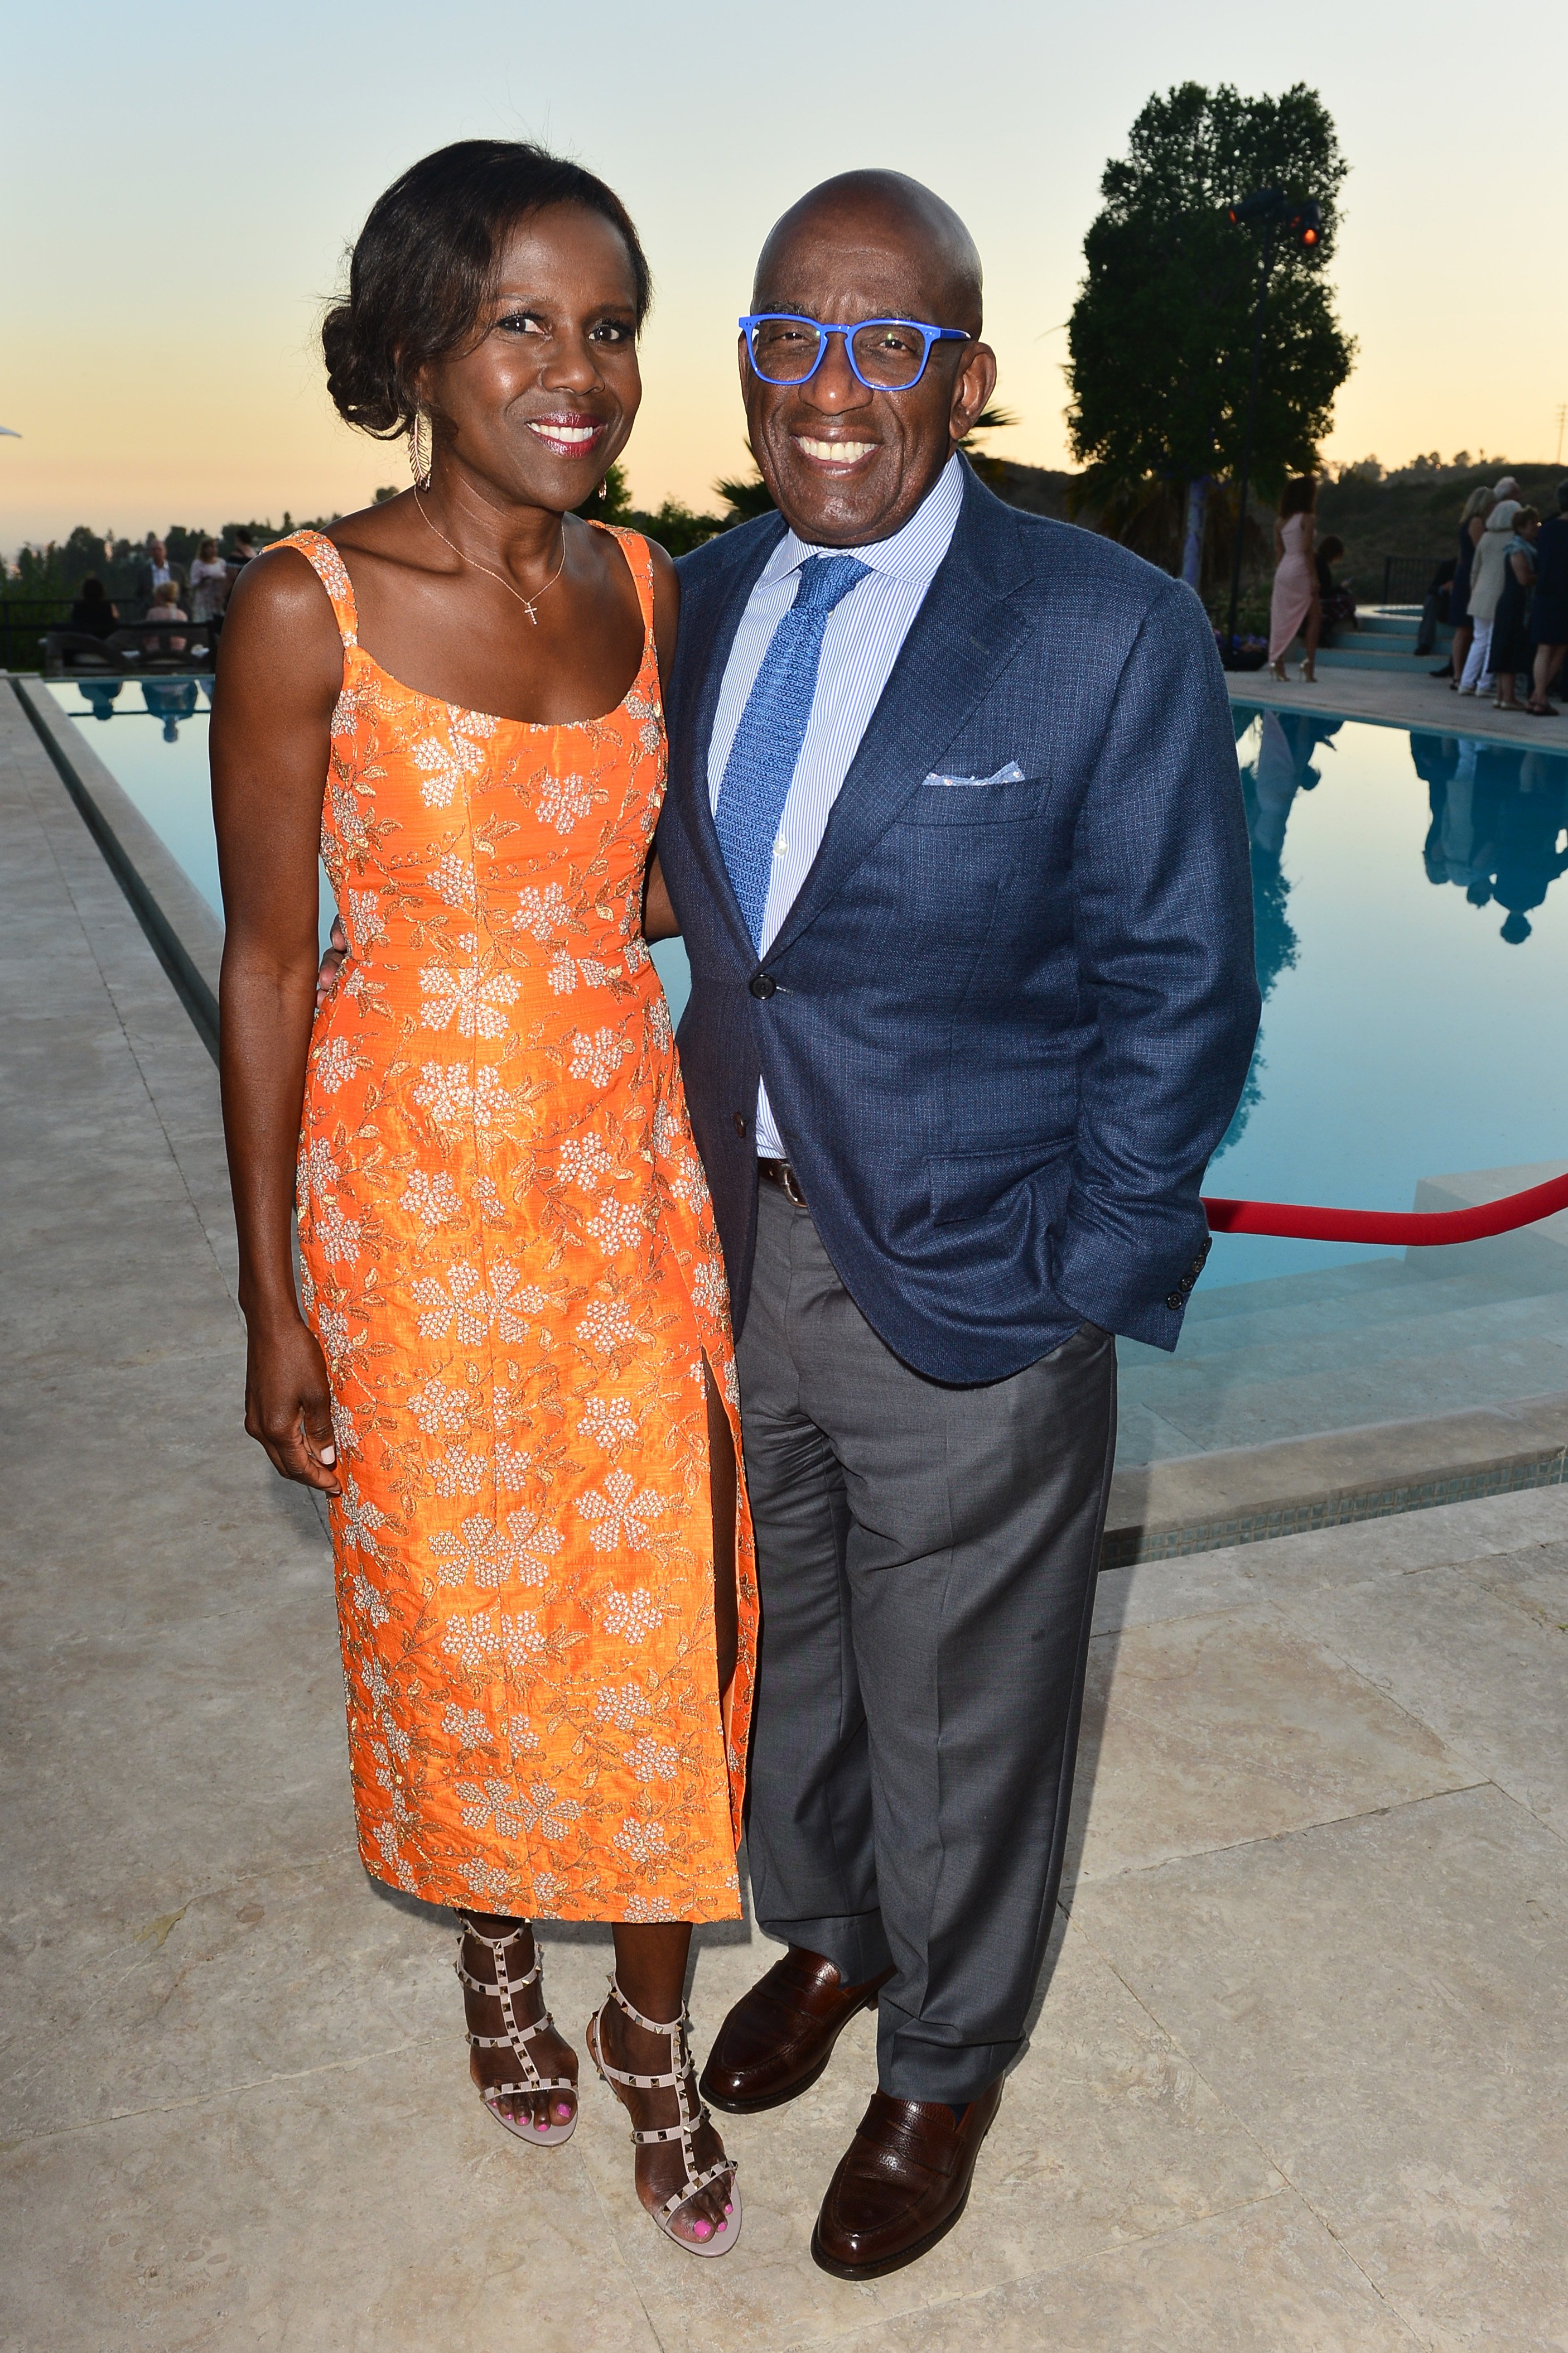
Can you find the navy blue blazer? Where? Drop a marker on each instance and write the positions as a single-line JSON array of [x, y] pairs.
[[1003, 1026]]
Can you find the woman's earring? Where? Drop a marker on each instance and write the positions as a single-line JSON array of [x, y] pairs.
[[421, 449]]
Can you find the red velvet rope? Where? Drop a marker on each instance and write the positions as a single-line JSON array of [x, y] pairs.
[[1424, 1229]]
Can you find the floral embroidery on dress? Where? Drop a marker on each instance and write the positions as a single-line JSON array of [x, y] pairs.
[[509, 1257]]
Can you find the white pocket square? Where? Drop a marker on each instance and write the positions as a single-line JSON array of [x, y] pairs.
[[1011, 775]]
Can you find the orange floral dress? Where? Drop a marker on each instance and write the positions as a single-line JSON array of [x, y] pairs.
[[509, 1260]]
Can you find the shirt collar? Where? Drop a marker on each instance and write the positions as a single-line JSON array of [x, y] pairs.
[[912, 553]]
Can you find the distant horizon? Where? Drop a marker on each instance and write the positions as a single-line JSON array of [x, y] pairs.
[[181, 375]]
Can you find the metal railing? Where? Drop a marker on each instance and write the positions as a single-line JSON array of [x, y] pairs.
[[1406, 578]]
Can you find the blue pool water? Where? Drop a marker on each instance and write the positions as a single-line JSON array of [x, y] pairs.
[[1413, 943]]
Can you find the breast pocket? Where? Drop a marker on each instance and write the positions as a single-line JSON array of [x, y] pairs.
[[1017, 802]]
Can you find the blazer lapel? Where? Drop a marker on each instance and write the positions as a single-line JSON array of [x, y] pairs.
[[964, 634], [702, 660]]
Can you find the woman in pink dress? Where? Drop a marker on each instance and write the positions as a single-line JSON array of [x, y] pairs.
[[1295, 610]]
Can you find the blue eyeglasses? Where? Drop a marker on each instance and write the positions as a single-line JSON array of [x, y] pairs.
[[886, 355]]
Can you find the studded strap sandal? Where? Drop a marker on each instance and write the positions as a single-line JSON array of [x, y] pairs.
[[681, 2072], [516, 2039]]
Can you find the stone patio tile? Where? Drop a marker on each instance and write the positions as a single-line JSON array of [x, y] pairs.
[[1105, 2134], [1267, 2280], [355, 2210], [1207, 1732], [1330, 1557], [1380, 2001], [109, 2012], [1462, 1651]]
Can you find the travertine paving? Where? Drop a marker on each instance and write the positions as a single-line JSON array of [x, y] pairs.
[[1297, 2075]]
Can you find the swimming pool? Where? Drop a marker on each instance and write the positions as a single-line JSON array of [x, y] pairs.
[[1412, 945], [1412, 922]]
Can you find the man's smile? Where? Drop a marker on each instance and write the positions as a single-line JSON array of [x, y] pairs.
[[839, 454]]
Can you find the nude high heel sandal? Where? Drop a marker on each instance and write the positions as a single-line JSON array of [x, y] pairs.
[[681, 2069], [516, 2039]]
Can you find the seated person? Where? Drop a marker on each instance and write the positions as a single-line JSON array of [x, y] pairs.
[[1337, 603], [92, 615], [166, 607]]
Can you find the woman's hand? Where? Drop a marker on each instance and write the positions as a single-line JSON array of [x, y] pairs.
[[288, 1403]]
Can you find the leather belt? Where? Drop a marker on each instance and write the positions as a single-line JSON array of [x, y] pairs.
[[780, 1173]]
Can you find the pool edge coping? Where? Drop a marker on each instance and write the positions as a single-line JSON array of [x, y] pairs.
[[1239, 1495], [184, 933]]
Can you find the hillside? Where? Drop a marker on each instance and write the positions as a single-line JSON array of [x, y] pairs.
[[1418, 518]]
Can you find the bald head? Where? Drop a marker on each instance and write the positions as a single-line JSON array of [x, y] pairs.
[[895, 224]]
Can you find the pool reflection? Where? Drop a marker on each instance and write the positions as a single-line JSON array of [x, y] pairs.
[[1497, 815]]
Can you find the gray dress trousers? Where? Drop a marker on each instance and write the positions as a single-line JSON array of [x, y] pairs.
[[926, 1558]]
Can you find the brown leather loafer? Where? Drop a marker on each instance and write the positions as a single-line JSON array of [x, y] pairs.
[[902, 2184], [779, 2037]]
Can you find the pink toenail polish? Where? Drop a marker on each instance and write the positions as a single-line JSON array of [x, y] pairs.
[[562, 2109], [701, 2230]]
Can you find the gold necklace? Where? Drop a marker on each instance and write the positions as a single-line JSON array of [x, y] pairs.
[[528, 603]]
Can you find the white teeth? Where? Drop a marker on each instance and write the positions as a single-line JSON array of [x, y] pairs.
[[569, 433], [837, 453]]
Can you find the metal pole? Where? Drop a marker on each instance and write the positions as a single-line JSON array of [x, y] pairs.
[[1246, 441]]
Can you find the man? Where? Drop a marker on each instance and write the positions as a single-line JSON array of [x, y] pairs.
[[155, 572], [954, 836]]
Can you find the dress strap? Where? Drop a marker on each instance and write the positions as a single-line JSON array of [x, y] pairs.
[[635, 548], [333, 575]]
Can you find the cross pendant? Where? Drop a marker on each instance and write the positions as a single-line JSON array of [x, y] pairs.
[[528, 608]]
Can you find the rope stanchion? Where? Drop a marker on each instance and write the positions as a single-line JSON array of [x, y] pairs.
[[1421, 1229]]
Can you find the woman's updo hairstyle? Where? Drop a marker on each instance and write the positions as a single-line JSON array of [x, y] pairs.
[[1300, 497], [425, 266]]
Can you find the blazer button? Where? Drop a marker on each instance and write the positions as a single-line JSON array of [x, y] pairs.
[[763, 983], [1174, 1299], [739, 1122]]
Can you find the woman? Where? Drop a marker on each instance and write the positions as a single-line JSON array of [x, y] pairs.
[[1485, 586], [1294, 611], [1472, 523], [513, 1375], [1510, 648], [93, 614], [165, 608], [208, 583]]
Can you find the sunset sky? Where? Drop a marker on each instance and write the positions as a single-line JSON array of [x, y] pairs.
[[179, 184]]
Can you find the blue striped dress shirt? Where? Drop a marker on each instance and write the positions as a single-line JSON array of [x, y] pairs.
[[864, 636]]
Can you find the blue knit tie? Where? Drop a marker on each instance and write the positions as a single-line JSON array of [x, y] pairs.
[[761, 762]]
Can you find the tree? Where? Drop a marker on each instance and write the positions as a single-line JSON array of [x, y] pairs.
[[1159, 338]]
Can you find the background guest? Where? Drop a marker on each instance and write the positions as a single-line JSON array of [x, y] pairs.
[[208, 583], [166, 607], [1437, 607], [1293, 610], [1336, 605], [1485, 586], [92, 614], [1548, 617], [1472, 523], [156, 573], [1510, 624]]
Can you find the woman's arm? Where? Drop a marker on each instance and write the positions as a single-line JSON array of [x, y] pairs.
[[659, 920], [1523, 568], [278, 674]]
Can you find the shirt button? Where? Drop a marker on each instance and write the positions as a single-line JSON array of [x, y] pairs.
[[763, 984], [739, 1122], [781, 848]]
